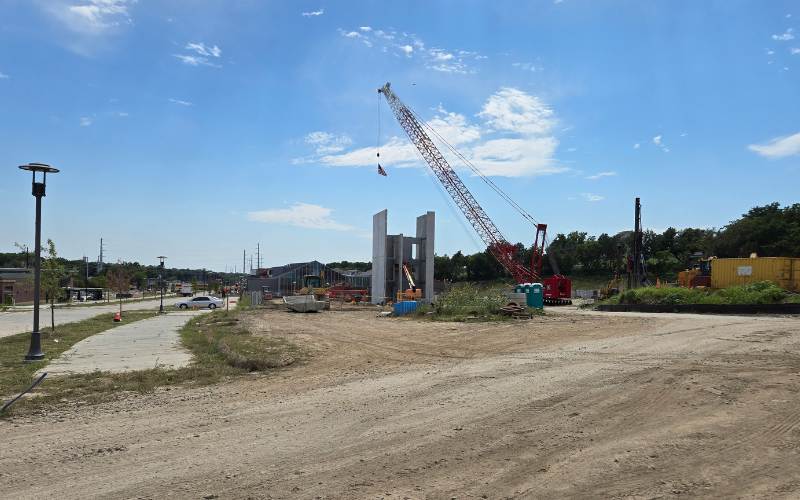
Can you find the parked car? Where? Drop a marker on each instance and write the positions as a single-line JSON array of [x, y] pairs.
[[202, 301]]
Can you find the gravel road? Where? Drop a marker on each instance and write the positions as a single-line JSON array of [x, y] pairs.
[[570, 405]]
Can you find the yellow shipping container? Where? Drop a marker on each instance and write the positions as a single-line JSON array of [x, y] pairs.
[[783, 271]]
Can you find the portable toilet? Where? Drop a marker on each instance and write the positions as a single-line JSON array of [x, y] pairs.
[[535, 296]]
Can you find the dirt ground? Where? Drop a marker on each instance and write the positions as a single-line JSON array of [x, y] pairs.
[[569, 405]]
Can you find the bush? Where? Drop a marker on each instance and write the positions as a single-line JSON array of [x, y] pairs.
[[468, 300], [764, 292]]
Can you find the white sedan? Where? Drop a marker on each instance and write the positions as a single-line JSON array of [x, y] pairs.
[[202, 302]]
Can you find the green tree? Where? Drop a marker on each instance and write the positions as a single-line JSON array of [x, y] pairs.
[[119, 281], [53, 272]]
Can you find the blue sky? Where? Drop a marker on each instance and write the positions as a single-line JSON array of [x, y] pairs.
[[198, 129]]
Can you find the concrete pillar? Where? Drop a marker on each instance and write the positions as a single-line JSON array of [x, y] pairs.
[[379, 257], [426, 230]]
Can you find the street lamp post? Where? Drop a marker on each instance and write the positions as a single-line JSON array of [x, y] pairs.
[[38, 191], [161, 259]]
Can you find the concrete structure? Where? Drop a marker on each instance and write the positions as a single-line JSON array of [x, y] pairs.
[[390, 251]]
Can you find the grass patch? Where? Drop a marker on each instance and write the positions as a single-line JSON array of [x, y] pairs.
[[763, 292], [467, 302], [16, 376], [222, 349]]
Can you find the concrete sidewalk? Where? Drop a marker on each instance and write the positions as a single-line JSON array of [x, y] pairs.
[[145, 344]]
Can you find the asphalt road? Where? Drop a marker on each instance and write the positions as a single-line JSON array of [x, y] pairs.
[[12, 323]]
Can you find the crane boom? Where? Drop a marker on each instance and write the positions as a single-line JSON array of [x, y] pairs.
[[496, 243]]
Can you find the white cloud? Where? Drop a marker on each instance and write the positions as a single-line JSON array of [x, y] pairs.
[[658, 141], [3, 76], [123, 114], [326, 143], [770, 52], [592, 197], [637, 146], [785, 36], [513, 110], [182, 103], [522, 157], [195, 60], [412, 47], [305, 215], [203, 49], [779, 147], [794, 51], [313, 13], [85, 121], [600, 175], [453, 127], [525, 66], [514, 140], [90, 17], [202, 53], [396, 152]]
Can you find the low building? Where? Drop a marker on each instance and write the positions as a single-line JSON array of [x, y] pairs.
[[16, 285], [286, 280]]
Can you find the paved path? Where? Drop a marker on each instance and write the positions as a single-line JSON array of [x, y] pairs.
[[12, 323], [145, 344]]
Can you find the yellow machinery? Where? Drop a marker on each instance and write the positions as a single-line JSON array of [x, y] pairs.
[[412, 293], [612, 288]]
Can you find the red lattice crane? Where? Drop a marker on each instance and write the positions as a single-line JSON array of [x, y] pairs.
[[557, 288]]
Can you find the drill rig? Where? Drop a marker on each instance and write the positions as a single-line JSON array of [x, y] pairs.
[[557, 288]]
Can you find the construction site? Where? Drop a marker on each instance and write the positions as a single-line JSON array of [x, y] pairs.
[[398, 378]]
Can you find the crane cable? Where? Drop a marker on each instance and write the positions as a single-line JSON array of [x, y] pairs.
[[378, 141], [525, 214]]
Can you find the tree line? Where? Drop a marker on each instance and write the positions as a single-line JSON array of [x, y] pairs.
[[769, 231]]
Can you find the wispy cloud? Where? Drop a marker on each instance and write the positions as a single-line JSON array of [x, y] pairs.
[[313, 13], [637, 146], [785, 36], [794, 51], [658, 141], [87, 21], [779, 147], [525, 66], [412, 47], [514, 139], [305, 215], [90, 17], [600, 175], [327, 143], [203, 49], [182, 103], [85, 121], [203, 54], [591, 197], [3, 76]]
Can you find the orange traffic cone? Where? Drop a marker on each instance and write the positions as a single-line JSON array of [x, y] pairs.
[[117, 317]]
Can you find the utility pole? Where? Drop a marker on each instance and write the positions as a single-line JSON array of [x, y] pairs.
[[258, 255], [637, 245], [244, 260], [100, 261], [86, 279]]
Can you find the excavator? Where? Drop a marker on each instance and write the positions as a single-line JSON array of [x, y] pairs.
[[557, 288]]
